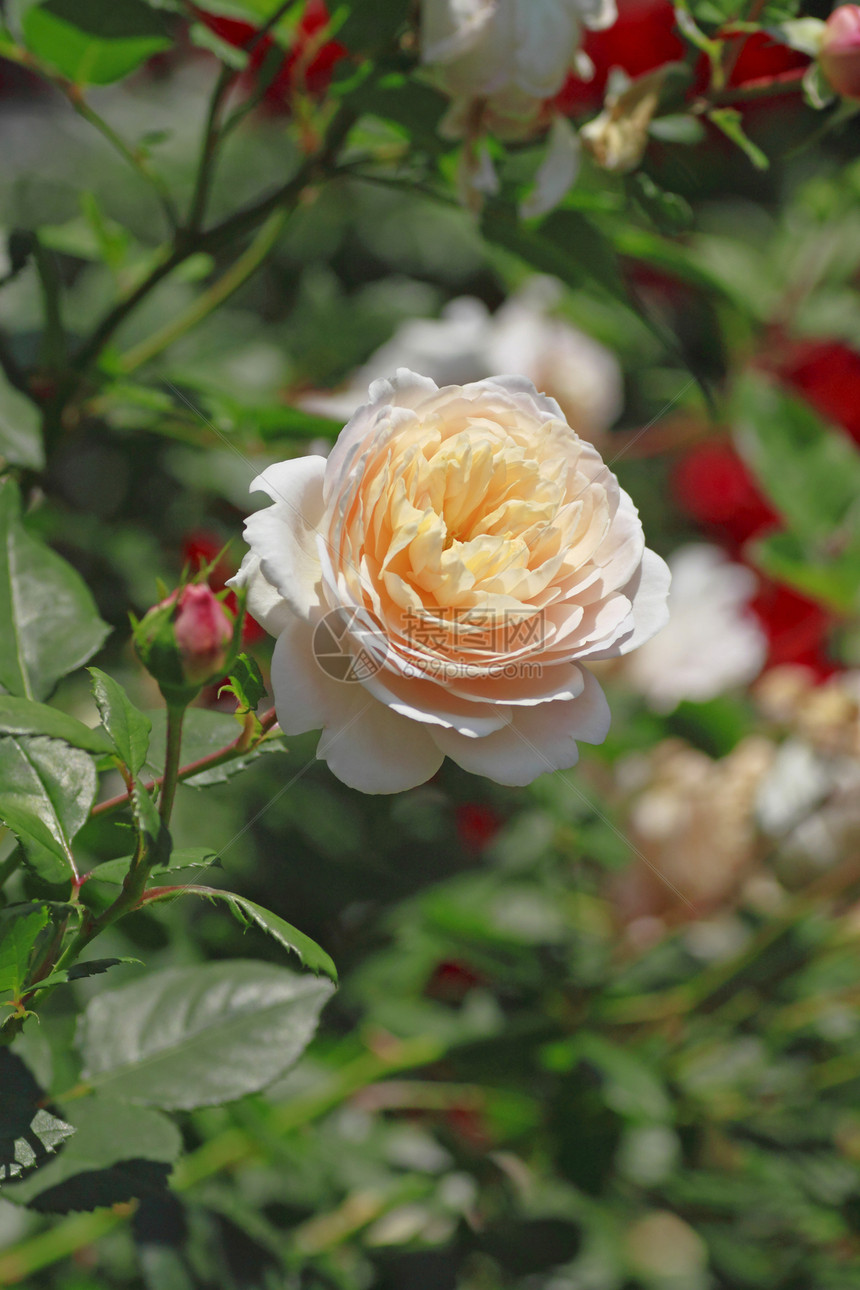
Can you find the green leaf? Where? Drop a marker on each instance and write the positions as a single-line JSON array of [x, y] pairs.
[[20, 429], [48, 621], [17, 938], [184, 860], [46, 793], [566, 243], [630, 1084], [92, 967], [809, 472], [292, 423], [246, 683], [730, 121], [834, 582], [370, 24], [118, 1153], [415, 108], [127, 726], [24, 717], [198, 1036], [670, 213], [670, 256], [29, 1132], [94, 42], [247, 912]]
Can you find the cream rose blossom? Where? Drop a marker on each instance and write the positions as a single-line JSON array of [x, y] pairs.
[[470, 554]]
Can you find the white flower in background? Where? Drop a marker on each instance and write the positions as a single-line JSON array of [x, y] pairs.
[[693, 819], [451, 350], [501, 61], [508, 55], [523, 337], [465, 554], [577, 371], [810, 801], [711, 643]]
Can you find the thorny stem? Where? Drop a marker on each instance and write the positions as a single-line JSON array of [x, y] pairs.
[[175, 719], [213, 132], [240, 745]]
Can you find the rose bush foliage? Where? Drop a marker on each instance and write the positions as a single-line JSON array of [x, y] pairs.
[[596, 1022]]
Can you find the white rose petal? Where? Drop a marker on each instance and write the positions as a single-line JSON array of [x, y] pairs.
[[440, 582]]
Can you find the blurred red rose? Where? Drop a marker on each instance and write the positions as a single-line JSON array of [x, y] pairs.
[[827, 374], [451, 981], [645, 36], [307, 66], [713, 485], [796, 628], [477, 825]]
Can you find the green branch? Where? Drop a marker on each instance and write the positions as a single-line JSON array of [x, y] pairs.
[[215, 295]]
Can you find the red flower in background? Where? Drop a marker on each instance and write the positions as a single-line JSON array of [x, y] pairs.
[[202, 547], [796, 628], [827, 374], [307, 66], [477, 825], [713, 485], [645, 36], [451, 980]]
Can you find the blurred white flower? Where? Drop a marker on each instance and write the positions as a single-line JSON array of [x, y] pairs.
[[557, 172], [810, 803], [524, 337], [501, 62], [508, 55], [583, 376], [694, 822], [711, 643]]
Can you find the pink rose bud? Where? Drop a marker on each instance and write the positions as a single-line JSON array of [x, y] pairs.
[[203, 633], [186, 640], [839, 57]]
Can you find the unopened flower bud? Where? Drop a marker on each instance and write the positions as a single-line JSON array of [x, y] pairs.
[[203, 633], [185, 641], [839, 58]]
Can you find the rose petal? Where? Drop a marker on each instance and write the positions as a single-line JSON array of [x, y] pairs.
[[648, 591], [283, 536], [305, 697], [538, 740], [371, 748]]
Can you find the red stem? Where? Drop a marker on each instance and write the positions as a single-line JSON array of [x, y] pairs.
[[267, 721]]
